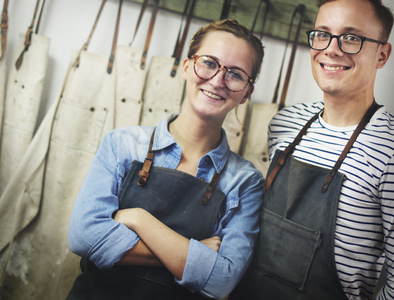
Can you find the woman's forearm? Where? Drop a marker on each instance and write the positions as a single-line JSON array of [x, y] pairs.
[[169, 247], [140, 255]]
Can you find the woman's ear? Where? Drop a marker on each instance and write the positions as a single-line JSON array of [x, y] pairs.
[[185, 67], [247, 94]]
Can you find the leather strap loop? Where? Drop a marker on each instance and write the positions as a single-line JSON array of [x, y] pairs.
[[86, 44], [29, 32], [265, 17], [143, 175], [4, 28], [142, 11], [181, 43], [150, 32], [301, 10], [115, 40], [289, 150], [364, 121]]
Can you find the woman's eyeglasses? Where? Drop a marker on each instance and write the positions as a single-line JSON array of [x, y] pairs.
[[207, 67]]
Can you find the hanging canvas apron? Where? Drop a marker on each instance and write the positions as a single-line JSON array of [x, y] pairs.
[[3, 65], [256, 148], [164, 85], [234, 126], [184, 203], [130, 79], [24, 90], [83, 115], [294, 258]]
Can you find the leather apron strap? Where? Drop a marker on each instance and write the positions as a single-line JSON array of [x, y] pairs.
[[4, 28], [142, 11], [265, 17], [143, 175], [180, 43], [115, 40], [300, 9], [290, 148], [150, 32], [225, 9], [86, 44], [29, 32]]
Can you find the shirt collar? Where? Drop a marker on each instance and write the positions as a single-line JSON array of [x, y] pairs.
[[163, 139]]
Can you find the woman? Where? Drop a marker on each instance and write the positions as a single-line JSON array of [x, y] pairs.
[[170, 212]]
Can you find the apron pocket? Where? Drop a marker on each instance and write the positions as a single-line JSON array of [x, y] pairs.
[[286, 249]]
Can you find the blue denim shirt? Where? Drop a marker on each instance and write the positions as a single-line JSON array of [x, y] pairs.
[[94, 234]]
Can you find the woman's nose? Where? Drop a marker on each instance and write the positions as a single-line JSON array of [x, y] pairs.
[[219, 78]]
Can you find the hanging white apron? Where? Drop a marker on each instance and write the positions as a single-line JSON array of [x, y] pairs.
[[164, 85], [23, 96], [256, 148], [49, 179], [3, 66], [234, 127]]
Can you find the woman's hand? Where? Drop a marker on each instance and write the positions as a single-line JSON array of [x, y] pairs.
[[213, 242]]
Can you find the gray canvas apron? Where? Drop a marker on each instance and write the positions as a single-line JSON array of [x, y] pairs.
[[294, 258], [188, 205]]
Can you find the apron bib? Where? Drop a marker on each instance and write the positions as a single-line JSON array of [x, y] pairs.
[[294, 257], [186, 204]]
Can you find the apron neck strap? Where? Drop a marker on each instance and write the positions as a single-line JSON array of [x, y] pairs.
[[290, 148], [364, 121], [29, 32], [143, 175], [150, 32]]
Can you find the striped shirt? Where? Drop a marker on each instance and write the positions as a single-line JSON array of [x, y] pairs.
[[364, 233]]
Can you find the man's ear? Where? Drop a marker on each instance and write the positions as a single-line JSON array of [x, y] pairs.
[[384, 55], [247, 94]]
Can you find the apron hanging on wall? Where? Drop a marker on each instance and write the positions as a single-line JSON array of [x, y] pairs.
[[164, 85], [235, 119], [23, 95], [256, 149], [49, 178], [3, 66], [130, 78]]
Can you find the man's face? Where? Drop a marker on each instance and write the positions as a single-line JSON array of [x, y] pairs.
[[348, 75]]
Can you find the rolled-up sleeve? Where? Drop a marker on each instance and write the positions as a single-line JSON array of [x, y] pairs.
[[215, 274], [93, 233]]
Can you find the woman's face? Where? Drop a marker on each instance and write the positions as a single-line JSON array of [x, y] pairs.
[[210, 98]]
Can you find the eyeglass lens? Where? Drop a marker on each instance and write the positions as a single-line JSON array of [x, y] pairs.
[[235, 79], [348, 43]]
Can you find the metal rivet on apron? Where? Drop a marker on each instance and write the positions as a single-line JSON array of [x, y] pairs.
[[92, 109], [210, 188], [150, 109], [238, 133], [204, 200], [123, 100], [23, 86]]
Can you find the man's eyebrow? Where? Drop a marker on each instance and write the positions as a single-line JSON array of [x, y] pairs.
[[349, 29]]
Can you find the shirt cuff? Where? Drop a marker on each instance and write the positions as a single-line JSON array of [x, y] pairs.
[[113, 246], [199, 264]]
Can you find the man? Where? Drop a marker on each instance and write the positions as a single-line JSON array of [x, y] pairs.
[[327, 224]]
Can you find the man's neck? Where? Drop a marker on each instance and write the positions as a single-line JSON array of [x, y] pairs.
[[345, 112]]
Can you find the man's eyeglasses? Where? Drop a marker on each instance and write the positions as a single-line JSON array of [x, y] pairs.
[[348, 42], [207, 67]]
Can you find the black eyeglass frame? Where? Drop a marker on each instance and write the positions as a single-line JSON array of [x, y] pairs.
[[363, 39], [195, 57]]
